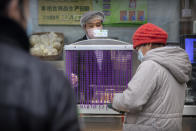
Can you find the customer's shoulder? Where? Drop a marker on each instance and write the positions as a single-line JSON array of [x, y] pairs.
[[34, 66], [49, 75], [81, 39], [43, 68], [149, 65]]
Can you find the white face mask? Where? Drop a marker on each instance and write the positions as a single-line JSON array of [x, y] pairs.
[[140, 55], [90, 32]]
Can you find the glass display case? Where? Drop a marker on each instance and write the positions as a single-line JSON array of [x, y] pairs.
[[101, 67]]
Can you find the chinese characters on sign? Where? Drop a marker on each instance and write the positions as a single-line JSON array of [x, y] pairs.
[[69, 12], [62, 12]]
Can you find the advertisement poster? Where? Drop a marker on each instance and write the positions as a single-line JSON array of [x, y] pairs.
[[122, 12], [62, 12]]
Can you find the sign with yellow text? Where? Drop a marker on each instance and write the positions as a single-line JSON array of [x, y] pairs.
[[62, 12]]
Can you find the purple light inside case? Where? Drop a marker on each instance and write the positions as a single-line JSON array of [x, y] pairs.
[[100, 74]]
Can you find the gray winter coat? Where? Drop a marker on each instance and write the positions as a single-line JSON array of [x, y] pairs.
[[154, 99]]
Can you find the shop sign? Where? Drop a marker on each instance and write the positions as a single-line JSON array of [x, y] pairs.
[[62, 12]]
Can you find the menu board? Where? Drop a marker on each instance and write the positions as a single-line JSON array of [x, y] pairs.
[[62, 12], [123, 11]]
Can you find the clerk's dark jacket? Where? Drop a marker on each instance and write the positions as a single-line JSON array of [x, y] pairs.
[[33, 95], [83, 38]]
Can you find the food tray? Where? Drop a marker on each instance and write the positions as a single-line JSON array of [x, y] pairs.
[[60, 51]]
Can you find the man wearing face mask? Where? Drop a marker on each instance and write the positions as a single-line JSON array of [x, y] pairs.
[[154, 100], [91, 21], [33, 95]]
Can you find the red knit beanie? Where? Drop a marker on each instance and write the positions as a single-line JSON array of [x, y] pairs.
[[149, 33]]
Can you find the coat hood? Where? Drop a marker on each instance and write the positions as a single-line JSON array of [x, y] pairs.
[[174, 59]]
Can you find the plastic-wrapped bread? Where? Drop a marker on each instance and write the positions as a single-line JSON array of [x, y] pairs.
[[53, 51], [44, 40], [46, 44], [59, 40], [36, 51], [50, 51], [35, 39], [57, 45]]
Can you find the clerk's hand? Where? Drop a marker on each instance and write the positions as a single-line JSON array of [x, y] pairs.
[[74, 79]]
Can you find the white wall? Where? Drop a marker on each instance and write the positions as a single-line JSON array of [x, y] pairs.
[[164, 13]]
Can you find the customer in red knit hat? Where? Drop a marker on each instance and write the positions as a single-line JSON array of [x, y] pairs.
[[154, 99]]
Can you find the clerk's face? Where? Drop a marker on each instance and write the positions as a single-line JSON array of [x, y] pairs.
[[94, 24]]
